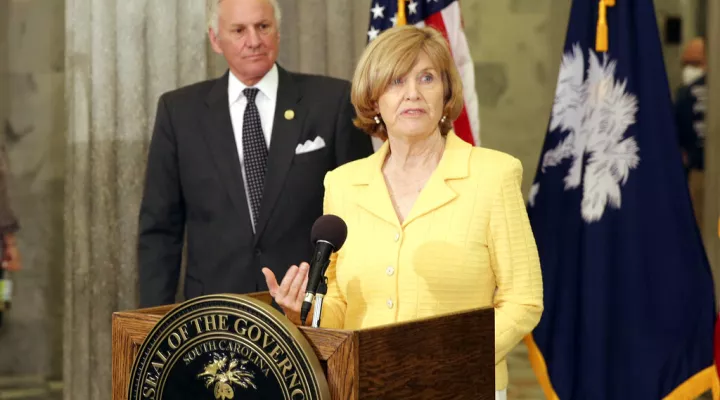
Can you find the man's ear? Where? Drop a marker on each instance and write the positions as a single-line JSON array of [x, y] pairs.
[[214, 41]]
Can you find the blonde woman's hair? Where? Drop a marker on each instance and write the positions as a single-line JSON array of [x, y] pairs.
[[392, 55]]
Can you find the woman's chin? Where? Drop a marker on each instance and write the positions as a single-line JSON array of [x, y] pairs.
[[414, 131]]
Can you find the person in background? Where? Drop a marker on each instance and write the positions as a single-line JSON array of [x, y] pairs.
[[435, 225], [237, 163], [8, 244], [8, 222], [690, 107]]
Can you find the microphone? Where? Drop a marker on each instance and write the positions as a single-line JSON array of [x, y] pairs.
[[328, 234]]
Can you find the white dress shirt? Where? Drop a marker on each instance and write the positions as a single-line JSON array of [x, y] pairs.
[[266, 100]]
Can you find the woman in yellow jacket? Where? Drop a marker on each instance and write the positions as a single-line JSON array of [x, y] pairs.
[[434, 225]]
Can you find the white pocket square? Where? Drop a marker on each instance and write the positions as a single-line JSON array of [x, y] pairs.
[[310, 145]]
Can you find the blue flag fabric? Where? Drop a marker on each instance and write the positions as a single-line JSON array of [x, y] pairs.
[[629, 303]]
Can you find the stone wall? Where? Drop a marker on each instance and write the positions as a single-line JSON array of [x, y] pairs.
[[517, 47]]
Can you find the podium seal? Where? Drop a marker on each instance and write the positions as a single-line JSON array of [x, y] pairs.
[[226, 347]]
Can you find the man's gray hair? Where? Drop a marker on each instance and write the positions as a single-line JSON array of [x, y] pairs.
[[214, 16]]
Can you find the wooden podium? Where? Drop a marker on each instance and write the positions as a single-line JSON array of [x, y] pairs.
[[448, 357]]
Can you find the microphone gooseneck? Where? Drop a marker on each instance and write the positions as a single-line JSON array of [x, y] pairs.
[[319, 296]]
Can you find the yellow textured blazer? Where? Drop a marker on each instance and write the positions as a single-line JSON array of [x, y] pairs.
[[466, 243]]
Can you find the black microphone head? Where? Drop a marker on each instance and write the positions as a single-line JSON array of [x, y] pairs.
[[329, 228]]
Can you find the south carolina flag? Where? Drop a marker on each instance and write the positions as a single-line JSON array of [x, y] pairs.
[[628, 293]]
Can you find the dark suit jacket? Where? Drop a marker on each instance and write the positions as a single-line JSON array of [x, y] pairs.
[[194, 180], [687, 116]]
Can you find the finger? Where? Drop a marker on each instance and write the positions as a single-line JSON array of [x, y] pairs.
[[287, 280], [300, 276], [301, 295], [307, 267], [303, 288], [271, 281]]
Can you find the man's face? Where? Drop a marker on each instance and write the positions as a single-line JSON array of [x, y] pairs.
[[248, 37], [694, 61]]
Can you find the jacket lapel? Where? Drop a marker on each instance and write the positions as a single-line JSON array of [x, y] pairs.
[[374, 195], [219, 135], [454, 164], [285, 136]]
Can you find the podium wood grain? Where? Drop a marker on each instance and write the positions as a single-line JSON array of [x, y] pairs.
[[447, 357], [129, 330]]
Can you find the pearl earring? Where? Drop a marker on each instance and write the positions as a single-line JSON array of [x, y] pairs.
[[377, 120], [442, 120]]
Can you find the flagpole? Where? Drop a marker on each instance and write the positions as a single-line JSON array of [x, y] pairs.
[[601, 35], [401, 19]]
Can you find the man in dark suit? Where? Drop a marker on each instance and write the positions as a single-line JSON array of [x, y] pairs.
[[240, 162]]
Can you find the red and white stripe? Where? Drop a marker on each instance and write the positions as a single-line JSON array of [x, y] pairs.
[[449, 23]]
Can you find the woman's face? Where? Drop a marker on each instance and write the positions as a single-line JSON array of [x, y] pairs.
[[413, 104]]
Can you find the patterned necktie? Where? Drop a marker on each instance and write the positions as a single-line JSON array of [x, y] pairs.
[[255, 152]]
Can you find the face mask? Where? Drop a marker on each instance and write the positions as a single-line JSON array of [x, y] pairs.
[[691, 73]]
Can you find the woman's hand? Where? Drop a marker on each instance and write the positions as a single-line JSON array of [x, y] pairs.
[[289, 295]]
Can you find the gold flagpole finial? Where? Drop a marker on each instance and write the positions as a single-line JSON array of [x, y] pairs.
[[401, 19], [601, 35]]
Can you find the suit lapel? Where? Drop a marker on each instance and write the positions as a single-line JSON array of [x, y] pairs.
[[285, 136], [219, 135]]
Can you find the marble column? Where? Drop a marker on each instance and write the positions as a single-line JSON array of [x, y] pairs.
[[323, 36], [120, 56], [712, 144]]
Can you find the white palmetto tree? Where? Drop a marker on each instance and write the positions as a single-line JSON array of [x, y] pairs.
[[595, 114]]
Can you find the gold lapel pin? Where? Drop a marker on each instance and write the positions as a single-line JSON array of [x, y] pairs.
[[289, 114]]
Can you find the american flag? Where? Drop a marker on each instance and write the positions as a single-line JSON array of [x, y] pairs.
[[443, 15]]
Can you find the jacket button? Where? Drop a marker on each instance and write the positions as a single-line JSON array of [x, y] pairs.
[[258, 251]]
